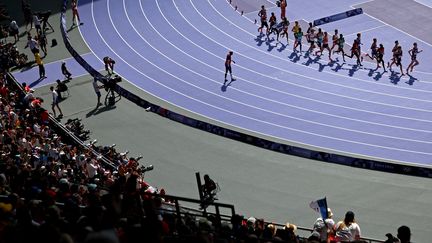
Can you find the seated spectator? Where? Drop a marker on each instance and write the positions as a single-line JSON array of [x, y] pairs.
[[404, 234], [288, 233], [347, 230]]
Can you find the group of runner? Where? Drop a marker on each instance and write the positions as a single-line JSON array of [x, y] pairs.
[[321, 40]]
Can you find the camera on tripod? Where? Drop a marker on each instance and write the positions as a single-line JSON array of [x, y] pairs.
[[111, 82], [143, 169]]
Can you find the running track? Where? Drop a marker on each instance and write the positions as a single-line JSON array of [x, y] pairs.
[[175, 50]]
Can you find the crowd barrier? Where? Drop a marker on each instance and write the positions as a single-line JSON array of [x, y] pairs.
[[246, 138]]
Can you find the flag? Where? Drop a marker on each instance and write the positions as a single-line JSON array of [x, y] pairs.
[[320, 206]]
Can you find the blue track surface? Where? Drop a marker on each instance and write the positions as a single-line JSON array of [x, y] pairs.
[[175, 50]]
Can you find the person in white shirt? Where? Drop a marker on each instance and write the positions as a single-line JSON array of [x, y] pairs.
[[33, 44], [14, 30], [37, 23], [96, 88], [55, 102], [347, 230]]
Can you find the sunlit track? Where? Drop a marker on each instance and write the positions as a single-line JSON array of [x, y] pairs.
[[177, 59]]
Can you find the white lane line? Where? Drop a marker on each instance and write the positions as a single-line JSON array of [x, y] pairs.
[[223, 122], [425, 3], [285, 60], [232, 100], [262, 86], [424, 81], [308, 77], [366, 30]]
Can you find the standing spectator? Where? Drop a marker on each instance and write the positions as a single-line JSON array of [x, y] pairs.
[[14, 30], [109, 64], [41, 66], [404, 234], [65, 71], [75, 14], [97, 88], [27, 12], [347, 230], [33, 44], [43, 42], [55, 102], [37, 24]]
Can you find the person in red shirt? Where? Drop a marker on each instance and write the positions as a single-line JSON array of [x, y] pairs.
[[75, 14], [355, 51], [228, 61], [325, 45], [283, 5], [380, 57]]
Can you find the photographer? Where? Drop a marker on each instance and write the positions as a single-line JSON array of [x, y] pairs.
[[209, 188], [109, 64], [96, 88], [61, 87]]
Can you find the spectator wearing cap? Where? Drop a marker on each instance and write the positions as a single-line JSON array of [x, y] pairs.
[[347, 230], [324, 230], [404, 234]]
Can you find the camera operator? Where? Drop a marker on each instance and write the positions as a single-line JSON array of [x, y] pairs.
[[109, 64], [44, 16], [61, 87], [97, 88], [209, 188]]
